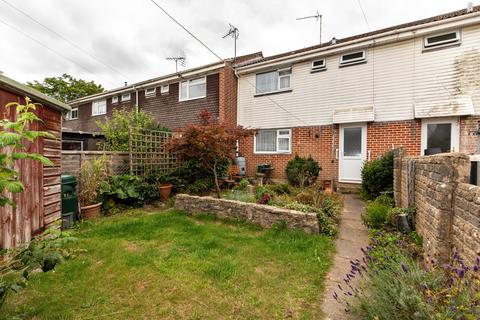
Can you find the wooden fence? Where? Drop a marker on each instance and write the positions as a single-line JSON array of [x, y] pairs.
[[72, 160]]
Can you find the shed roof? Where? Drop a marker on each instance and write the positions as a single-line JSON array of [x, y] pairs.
[[24, 90]]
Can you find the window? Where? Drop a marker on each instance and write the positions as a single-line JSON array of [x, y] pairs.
[[165, 89], [439, 136], [273, 81], [115, 99], [442, 39], [318, 65], [150, 92], [99, 107], [193, 89], [273, 141], [72, 114], [126, 97], [353, 58]]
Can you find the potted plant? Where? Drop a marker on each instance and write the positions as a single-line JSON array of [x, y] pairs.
[[92, 173], [165, 187]]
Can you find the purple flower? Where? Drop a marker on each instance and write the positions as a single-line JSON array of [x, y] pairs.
[[404, 268], [460, 273], [475, 268]]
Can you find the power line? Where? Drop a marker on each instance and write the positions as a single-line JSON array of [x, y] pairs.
[[221, 59], [73, 44], [46, 47], [364, 15]]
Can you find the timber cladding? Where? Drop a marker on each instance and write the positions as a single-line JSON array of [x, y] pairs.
[[39, 206]]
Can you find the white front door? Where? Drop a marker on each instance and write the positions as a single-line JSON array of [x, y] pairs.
[[353, 151]]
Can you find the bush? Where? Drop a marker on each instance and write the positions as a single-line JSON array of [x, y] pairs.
[[326, 217], [302, 171], [242, 185], [128, 190], [280, 188], [377, 176], [376, 214], [393, 282]]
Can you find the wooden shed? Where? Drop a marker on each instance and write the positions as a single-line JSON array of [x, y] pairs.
[[39, 206]]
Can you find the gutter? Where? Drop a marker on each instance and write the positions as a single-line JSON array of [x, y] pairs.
[[373, 40]]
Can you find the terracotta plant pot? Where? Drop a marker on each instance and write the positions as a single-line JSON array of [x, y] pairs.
[[165, 190], [92, 211]]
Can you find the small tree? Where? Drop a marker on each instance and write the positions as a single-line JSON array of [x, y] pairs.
[[116, 128], [13, 134], [377, 176], [209, 142]]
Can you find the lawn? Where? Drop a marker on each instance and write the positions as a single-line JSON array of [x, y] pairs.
[[167, 265]]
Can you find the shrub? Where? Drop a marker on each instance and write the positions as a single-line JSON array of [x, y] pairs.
[[327, 224], [193, 178], [92, 173], [280, 188], [305, 197], [242, 185], [393, 282], [302, 171], [376, 215], [377, 176], [129, 189]]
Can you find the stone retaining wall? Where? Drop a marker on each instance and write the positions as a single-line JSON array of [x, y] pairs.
[[262, 215], [447, 207]]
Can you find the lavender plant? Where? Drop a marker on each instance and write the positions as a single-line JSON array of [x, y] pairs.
[[390, 283]]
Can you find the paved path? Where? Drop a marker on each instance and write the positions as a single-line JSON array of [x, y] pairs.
[[353, 235]]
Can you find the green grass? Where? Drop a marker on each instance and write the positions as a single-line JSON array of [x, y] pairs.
[[167, 265]]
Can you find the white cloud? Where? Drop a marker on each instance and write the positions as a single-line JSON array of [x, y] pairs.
[[135, 37]]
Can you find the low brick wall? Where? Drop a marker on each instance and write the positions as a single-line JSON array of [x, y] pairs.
[[73, 160], [262, 215], [447, 207]]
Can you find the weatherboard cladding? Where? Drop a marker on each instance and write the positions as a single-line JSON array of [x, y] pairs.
[[396, 78]]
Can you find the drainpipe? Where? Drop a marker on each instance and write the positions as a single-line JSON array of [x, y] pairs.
[[136, 98]]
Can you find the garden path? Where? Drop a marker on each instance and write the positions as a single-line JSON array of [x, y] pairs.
[[352, 237]]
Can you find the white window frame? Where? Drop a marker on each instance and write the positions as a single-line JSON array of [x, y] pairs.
[[95, 109], [362, 59], [455, 133], [114, 99], [321, 67], [444, 43], [70, 113], [188, 89], [124, 95], [278, 135], [278, 81], [150, 92], [164, 89]]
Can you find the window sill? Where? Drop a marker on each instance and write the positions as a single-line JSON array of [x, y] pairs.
[[348, 64], [440, 47], [71, 119], [272, 92], [190, 99], [318, 70], [96, 115], [273, 152]]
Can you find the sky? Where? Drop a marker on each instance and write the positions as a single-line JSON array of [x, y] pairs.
[[117, 41]]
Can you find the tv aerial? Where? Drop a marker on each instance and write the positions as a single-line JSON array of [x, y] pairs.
[[318, 18], [234, 33], [179, 60]]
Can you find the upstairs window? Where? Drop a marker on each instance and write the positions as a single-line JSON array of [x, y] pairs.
[[99, 107], [115, 99], [273, 141], [126, 97], [318, 65], [353, 58], [165, 89], [72, 114], [442, 39], [273, 81], [150, 92], [193, 89]]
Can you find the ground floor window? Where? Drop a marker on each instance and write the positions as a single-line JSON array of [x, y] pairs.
[[273, 141], [440, 135]]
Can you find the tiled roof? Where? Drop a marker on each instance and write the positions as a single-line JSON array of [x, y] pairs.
[[440, 17]]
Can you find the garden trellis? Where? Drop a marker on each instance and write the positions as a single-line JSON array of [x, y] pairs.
[[149, 153]]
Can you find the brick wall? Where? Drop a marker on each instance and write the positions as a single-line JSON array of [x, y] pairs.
[[469, 139], [317, 142], [227, 112], [447, 207]]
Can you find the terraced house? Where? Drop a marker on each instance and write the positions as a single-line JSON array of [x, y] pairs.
[[415, 85], [175, 100]]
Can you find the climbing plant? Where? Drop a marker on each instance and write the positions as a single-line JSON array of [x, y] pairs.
[[13, 135]]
